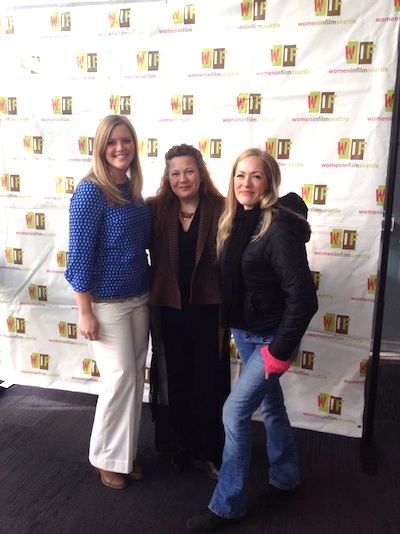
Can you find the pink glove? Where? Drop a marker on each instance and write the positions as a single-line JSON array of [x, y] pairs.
[[272, 364]]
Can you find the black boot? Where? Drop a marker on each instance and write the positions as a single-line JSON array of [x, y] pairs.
[[182, 459], [207, 521]]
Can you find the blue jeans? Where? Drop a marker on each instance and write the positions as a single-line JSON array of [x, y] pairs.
[[250, 391]]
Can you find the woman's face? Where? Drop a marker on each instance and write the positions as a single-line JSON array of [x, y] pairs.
[[250, 182], [184, 178], [119, 152]]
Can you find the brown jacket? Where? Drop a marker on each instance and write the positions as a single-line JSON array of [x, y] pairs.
[[164, 254]]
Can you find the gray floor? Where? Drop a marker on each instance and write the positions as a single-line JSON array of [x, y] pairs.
[[47, 485]]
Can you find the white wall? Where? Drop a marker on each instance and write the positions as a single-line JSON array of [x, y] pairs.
[[311, 81]]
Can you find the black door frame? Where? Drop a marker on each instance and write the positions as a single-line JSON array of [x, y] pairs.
[[368, 448]]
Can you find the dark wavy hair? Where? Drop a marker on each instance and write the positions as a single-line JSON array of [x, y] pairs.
[[165, 196]]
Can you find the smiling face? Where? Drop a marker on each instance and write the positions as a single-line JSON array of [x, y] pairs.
[[250, 183], [184, 178], [119, 152]]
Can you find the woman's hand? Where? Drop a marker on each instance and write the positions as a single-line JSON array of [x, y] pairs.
[[272, 364], [89, 326]]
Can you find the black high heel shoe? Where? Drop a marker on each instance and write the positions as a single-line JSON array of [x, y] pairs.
[[182, 459]]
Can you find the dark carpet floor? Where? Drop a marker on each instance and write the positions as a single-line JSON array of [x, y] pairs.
[[48, 487]]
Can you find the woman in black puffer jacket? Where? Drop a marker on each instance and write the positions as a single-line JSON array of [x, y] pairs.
[[268, 300]]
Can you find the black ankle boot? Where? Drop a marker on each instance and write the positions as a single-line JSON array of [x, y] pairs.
[[181, 459], [207, 521]]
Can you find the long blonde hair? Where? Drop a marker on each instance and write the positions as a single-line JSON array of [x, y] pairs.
[[100, 173], [273, 173]]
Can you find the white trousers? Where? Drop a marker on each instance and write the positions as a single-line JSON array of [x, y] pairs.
[[120, 355]]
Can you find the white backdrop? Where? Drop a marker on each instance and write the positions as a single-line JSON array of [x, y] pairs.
[[312, 82]]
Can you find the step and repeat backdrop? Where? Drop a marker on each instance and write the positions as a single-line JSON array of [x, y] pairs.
[[310, 81]]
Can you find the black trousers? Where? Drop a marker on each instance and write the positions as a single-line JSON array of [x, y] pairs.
[[198, 378]]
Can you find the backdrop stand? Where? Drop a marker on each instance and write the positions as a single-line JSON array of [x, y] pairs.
[[369, 452], [5, 384]]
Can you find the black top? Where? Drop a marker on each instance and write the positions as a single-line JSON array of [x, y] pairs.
[[187, 256]]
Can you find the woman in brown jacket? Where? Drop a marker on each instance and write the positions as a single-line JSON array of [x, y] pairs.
[[184, 302]]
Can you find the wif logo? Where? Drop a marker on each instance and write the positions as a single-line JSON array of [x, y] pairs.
[[40, 361], [65, 185], [283, 55], [314, 193], [16, 325], [87, 62], [33, 144], [90, 368], [344, 239], [211, 148], [278, 148], [389, 97], [11, 182], [35, 221], [249, 103], [182, 104], [371, 284], [330, 404], [359, 52], [321, 102], [253, 9], [68, 330], [147, 375], [213, 58], [120, 105], [8, 105], [37, 292], [62, 105], [327, 8], [185, 15], [148, 147], [61, 21], [31, 64], [148, 60], [62, 259], [304, 360], [336, 324], [351, 148], [317, 278], [14, 255], [363, 368], [233, 352], [380, 194], [120, 18], [85, 145], [7, 25]]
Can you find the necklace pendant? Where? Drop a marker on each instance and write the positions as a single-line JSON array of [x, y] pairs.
[[186, 216]]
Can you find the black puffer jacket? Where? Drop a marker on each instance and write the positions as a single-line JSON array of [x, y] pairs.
[[278, 286]]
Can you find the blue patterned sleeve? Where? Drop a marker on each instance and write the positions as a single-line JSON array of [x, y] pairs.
[[85, 220]]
